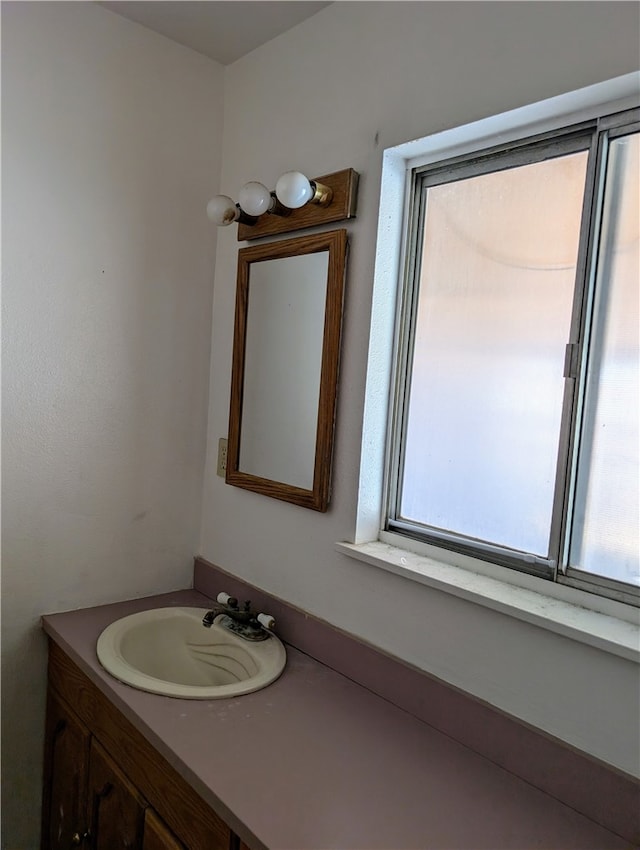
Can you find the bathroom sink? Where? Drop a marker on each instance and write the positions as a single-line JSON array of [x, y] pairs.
[[168, 651]]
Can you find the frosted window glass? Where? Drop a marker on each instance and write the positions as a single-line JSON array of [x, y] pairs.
[[605, 538], [485, 399]]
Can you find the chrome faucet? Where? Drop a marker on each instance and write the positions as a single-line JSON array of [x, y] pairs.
[[244, 622]]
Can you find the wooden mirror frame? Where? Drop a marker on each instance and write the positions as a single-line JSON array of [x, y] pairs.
[[335, 242]]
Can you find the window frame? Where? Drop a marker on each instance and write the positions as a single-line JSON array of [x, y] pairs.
[[591, 135], [610, 127]]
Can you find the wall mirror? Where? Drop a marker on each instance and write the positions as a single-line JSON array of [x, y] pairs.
[[286, 349]]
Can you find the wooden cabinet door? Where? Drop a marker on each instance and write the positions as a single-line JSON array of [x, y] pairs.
[[66, 769], [158, 836], [116, 808]]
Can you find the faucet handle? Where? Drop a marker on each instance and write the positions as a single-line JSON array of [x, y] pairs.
[[225, 599], [266, 621]]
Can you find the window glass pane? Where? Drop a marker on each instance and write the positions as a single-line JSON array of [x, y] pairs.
[[605, 535], [485, 398]]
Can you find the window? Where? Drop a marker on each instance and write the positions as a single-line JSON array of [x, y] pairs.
[[514, 433]]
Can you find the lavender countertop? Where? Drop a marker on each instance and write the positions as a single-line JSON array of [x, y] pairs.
[[317, 762]]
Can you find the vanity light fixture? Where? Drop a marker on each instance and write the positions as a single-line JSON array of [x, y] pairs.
[[297, 202], [293, 190]]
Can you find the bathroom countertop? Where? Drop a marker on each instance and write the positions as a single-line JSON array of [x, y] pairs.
[[317, 762]]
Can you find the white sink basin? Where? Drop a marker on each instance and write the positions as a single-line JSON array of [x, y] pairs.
[[168, 651]]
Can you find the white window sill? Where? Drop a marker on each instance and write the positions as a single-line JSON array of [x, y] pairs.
[[614, 628]]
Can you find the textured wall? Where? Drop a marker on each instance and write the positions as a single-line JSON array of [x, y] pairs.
[[111, 146], [330, 94]]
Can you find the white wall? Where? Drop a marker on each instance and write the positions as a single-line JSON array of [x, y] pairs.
[[111, 147], [333, 93]]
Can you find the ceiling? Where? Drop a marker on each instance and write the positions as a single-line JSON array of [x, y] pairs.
[[222, 30]]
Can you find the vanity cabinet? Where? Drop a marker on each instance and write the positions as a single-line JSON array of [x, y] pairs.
[[105, 786]]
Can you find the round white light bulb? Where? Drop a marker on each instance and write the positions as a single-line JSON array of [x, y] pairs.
[[293, 190], [222, 210], [254, 198]]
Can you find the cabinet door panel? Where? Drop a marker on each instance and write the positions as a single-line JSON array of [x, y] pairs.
[[117, 809], [66, 768], [157, 836], [187, 815]]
